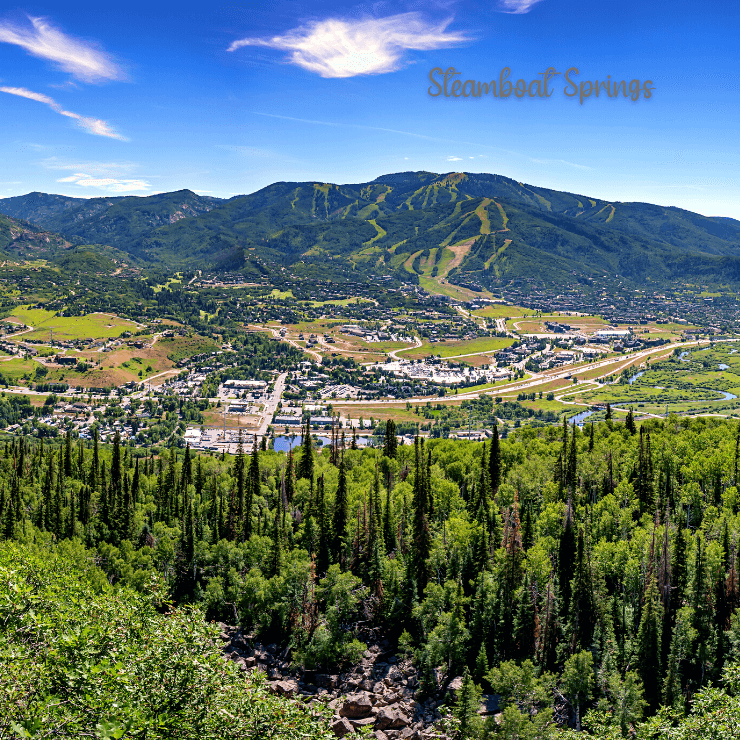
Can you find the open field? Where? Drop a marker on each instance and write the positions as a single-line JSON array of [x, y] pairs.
[[458, 349], [92, 326], [503, 311]]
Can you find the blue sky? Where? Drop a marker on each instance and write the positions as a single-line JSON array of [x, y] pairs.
[[227, 97]]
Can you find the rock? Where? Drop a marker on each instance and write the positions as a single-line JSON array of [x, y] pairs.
[[380, 735], [364, 722], [341, 727], [356, 706], [393, 677], [326, 681], [454, 686], [250, 662], [284, 688], [389, 718]]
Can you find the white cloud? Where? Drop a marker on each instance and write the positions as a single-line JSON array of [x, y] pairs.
[[92, 125], [454, 159], [80, 58], [347, 48], [101, 169], [108, 184], [517, 6]]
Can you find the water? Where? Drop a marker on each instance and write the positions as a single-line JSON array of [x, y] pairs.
[[722, 366], [284, 442], [728, 396], [682, 357], [579, 418], [635, 377]]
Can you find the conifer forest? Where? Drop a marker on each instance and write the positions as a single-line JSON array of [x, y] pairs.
[[585, 576]]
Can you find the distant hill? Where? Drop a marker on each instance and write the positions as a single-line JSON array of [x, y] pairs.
[[480, 230], [117, 221], [22, 240]]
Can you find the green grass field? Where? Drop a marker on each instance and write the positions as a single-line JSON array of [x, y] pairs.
[[92, 326], [460, 349], [502, 311]]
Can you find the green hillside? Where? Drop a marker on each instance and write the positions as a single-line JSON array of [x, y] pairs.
[[29, 242], [510, 230], [86, 659]]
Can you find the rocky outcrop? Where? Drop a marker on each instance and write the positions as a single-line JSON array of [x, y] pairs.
[[380, 692]]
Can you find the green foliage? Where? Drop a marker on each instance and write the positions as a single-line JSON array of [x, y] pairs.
[[88, 659]]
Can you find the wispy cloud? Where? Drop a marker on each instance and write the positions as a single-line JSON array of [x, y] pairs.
[[101, 169], [80, 58], [93, 126], [517, 6], [107, 184], [560, 161], [248, 151], [368, 46], [454, 159]]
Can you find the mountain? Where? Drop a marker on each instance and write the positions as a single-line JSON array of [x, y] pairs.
[[117, 221], [475, 230], [26, 241], [37, 207]]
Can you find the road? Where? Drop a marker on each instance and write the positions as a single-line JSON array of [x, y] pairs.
[[394, 354], [271, 405]]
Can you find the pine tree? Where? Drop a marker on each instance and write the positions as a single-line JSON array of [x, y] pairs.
[[322, 559], [421, 537], [591, 439], [389, 524], [494, 462], [390, 440], [305, 468], [649, 645], [276, 552], [252, 490], [566, 561], [290, 479], [525, 623], [630, 422], [341, 516], [583, 607], [239, 477], [571, 470], [466, 711], [68, 453]]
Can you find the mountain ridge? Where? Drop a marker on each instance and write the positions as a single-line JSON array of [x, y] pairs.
[[406, 225]]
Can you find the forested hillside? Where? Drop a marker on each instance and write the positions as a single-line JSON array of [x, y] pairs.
[[82, 658], [477, 228], [587, 577]]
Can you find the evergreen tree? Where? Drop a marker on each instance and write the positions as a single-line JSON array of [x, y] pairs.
[[630, 422], [341, 515], [305, 468], [583, 607], [466, 711], [494, 462], [649, 645], [566, 561], [421, 537]]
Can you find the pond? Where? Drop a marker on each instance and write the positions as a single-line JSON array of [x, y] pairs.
[[283, 443], [635, 377], [579, 418], [722, 366]]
